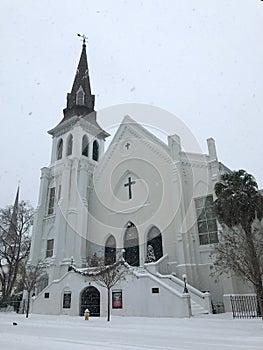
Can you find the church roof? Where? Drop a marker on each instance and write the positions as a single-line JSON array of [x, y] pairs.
[[91, 118], [138, 131]]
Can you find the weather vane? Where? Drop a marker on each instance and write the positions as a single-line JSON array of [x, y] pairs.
[[84, 37]]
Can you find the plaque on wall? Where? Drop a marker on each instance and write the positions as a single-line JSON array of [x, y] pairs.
[[117, 299]]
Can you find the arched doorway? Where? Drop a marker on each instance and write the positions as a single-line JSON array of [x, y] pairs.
[[154, 238], [131, 245], [110, 251], [90, 299]]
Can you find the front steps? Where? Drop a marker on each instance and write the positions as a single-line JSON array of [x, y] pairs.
[[200, 302]]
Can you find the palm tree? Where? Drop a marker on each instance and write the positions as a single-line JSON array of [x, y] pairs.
[[238, 206]]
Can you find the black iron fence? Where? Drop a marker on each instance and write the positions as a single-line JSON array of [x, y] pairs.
[[245, 306], [11, 305]]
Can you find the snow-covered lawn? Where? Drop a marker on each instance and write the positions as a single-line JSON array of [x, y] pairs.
[[124, 333]]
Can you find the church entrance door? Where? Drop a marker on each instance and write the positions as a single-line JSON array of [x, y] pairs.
[[90, 299]]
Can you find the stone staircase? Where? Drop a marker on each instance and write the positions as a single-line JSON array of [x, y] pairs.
[[197, 309], [200, 302]]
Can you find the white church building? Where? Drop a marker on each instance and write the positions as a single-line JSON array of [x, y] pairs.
[[139, 194]]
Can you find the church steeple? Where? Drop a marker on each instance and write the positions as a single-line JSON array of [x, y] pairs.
[[13, 224], [80, 100]]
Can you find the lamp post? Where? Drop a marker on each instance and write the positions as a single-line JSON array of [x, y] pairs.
[[186, 295], [185, 286], [72, 261]]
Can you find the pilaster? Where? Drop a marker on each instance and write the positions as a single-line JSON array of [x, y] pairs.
[[35, 251]]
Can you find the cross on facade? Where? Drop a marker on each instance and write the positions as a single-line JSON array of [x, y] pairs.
[[127, 145], [129, 184]]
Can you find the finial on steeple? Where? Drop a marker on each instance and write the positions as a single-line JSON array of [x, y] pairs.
[[84, 37]]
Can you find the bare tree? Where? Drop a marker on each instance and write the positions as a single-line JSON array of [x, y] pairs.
[[15, 225], [105, 275], [31, 275]]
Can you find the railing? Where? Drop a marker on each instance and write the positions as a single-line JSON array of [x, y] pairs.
[[202, 299], [245, 306]]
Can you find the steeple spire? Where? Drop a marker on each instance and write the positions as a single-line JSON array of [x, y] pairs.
[[13, 223], [80, 101]]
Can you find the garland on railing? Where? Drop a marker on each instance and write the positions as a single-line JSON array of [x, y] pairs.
[[98, 270]]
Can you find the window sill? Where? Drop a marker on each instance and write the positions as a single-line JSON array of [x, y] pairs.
[[49, 216], [206, 247]]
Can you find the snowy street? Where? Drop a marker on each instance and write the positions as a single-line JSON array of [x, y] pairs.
[[65, 332]]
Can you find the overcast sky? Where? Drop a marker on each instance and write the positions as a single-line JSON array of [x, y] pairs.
[[201, 60]]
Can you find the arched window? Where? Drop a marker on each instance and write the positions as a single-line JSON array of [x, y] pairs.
[[69, 145], [59, 149], [110, 251], [95, 154], [51, 200], [80, 97], [131, 245], [66, 299], [85, 146], [154, 244], [42, 283]]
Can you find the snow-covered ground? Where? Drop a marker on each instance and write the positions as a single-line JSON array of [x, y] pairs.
[[125, 333]]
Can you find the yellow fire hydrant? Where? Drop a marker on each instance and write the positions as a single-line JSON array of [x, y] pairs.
[[86, 314]]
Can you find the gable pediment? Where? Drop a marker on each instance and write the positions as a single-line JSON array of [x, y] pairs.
[[132, 141]]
